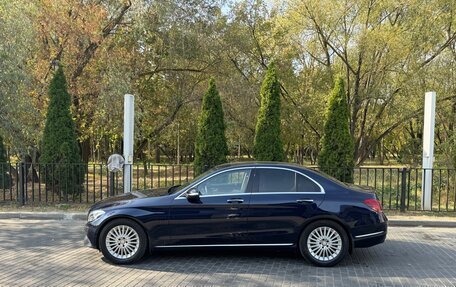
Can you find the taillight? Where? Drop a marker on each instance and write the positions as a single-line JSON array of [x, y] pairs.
[[373, 204]]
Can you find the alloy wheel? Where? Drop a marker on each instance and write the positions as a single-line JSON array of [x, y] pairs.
[[324, 243], [122, 242]]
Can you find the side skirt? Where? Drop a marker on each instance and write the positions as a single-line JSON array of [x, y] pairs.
[[225, 245]]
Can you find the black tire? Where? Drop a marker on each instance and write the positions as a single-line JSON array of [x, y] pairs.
[[318, 226], [134, 255]]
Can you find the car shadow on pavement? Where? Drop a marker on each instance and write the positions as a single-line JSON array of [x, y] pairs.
[[46, 253], [396, 262]]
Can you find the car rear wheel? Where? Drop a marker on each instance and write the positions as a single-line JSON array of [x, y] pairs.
[[324, 243], [123, 241]]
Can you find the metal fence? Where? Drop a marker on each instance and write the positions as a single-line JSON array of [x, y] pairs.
[[26, 183], [397, 188], [401, 188]]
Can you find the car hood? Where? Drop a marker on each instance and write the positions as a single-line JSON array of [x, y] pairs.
[[130, 197]]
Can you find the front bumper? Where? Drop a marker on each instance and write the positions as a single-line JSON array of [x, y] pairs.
[[88, 243], [90, 239]]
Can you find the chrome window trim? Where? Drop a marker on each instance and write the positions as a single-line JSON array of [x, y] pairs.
[[215, 195], [223, 245], [206, 178], [253, 193], [369, 234], [276, 193], [322, 190]]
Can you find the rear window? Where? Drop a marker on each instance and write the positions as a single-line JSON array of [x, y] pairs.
[[331, 178], [304, 184]]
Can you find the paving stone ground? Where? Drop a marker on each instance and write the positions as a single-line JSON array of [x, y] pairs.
[[51, 253]]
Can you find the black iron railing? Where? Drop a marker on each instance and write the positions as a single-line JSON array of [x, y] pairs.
[[25, 183], [402, 188], [81, 183]]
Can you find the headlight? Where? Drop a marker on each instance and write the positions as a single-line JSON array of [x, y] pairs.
[[93, 215]]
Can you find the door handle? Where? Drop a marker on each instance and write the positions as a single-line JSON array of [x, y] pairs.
[[304, 201], [235, 200]]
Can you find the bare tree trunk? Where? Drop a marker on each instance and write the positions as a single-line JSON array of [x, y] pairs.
[[30, 166], [157, 153], [85, 150]]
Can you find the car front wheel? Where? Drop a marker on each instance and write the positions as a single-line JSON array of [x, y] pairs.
[[123, 241], [324, 243]]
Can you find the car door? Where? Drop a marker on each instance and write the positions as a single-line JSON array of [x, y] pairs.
[[282, 199], [219, 217]]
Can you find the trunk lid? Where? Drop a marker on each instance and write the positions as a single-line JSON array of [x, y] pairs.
[[362, 188]]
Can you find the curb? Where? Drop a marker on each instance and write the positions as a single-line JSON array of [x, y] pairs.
[[420, 223], [83, 216], [44, 215]]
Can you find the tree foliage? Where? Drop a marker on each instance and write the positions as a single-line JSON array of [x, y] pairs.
[[384, 49], [59, 145], [388, 53], [336, 156], [20, 119], [210, 146]]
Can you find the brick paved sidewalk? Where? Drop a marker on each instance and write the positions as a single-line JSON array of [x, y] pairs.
[[50, 253]]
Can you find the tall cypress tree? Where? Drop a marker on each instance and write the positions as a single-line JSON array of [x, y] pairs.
[[210, 147], [268, 143], [337, 147], [60, 149], [5, 179]]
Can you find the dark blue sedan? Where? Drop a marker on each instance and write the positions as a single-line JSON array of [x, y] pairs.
[[242, 205]]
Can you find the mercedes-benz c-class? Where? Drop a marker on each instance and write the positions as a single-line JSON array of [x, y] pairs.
[[242, 205]]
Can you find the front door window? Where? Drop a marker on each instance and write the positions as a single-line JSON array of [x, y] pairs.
[[226, 183]]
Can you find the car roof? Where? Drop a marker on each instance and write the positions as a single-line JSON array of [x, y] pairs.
[[260, 164], [314, 173]]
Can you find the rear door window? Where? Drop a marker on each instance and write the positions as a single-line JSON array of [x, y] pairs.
[[276, 180]]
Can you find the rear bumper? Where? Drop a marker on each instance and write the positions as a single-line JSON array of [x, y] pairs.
[[374, 237], [370, 240]]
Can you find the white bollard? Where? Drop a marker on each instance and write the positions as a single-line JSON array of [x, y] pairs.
[[128, 137], [428, 150]]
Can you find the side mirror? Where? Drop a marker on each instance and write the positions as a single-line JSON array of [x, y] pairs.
[[192, 195]]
